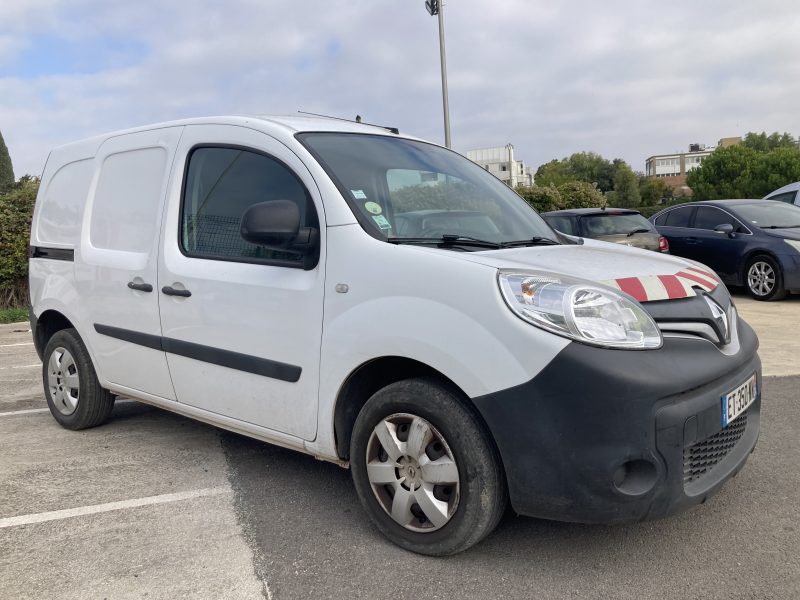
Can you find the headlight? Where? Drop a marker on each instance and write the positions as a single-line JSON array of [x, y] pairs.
[[794, 244], [579, 310]]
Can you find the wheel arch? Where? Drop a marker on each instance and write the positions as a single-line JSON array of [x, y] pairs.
[[47, 324], [377, 373]]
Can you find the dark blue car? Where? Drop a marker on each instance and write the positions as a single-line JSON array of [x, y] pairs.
[[752, 243]]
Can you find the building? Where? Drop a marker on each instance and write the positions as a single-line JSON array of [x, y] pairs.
[[500, 162], [674, 167]]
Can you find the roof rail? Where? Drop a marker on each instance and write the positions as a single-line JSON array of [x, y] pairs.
[[358, 120]]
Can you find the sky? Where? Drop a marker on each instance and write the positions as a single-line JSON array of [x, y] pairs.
[[625, 79]]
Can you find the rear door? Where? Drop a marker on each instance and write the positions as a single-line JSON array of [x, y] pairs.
[[674, 225], [115, 272], [242, 324]]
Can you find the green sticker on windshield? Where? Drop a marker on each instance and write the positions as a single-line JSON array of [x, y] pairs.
[[374, 208], [382, 222]]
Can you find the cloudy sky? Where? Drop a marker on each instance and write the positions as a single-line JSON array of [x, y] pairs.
[[625, 79]]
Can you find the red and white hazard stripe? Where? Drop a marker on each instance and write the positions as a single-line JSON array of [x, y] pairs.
[[666, 287]]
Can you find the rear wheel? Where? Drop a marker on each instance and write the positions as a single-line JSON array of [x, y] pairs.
[[425, 470], [764, 279], [73, 392]]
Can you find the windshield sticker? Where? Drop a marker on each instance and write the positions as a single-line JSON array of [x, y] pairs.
[[382, 222], [374, 208], [358, 194]]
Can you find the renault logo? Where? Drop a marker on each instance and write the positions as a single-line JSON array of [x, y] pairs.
[[720, 319]]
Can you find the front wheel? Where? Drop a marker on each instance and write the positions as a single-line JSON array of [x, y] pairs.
[[764, 279], [424, 469]]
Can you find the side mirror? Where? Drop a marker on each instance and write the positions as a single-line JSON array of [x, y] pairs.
[[725, 228], [276, 224]]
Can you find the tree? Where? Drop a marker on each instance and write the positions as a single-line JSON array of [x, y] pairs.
[[16, 211], [773, 170], [653, 191], [580, 194], [761, 142], [626, 186], [6, 169], [592, 168], [542, 198], [580, 166], [553, 174], [725, 173], [742, 172]]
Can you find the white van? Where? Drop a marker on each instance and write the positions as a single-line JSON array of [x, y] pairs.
[[385, 304]]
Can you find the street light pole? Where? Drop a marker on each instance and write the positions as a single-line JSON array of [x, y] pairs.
[[436, 7]]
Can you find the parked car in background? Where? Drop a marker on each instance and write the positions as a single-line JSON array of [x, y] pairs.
[[788, 193], [754, 243], [618, 225]]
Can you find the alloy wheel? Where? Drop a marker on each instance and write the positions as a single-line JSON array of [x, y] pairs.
[[761, 278]]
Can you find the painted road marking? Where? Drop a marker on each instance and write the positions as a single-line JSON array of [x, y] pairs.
[[20, 344], [27, 411], [57, 515], [33, 411], [20, 367]]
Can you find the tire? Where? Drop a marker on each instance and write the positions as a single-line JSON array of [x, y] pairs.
[[436, 515], [73, 393], [763, 278]]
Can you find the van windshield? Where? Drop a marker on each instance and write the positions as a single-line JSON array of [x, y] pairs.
[[405, 190]]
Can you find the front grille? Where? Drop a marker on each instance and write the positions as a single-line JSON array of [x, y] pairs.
[[700, 458]]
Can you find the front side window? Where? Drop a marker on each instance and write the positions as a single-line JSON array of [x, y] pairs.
[[709, 218], [400, 189], [221, 184]]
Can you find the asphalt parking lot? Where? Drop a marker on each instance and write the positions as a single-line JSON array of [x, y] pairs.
[[153, 505]]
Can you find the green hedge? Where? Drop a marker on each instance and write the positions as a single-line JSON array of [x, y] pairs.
[[16, 211]]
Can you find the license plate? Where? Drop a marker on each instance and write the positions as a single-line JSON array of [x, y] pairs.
[[736, 402]]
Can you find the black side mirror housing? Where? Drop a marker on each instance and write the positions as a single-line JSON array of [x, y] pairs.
[[725, 228], [275, 224]]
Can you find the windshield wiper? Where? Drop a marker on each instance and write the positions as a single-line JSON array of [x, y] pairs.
[[446, 240], [641, 230], [451, 239], [779, 226], [533, 241]]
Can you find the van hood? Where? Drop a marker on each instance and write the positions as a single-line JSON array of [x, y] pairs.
[[647, 276]]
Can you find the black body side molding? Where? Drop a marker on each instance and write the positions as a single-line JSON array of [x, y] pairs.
[[216, 356]]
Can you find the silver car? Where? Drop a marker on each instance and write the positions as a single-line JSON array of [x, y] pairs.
[[618, 225]]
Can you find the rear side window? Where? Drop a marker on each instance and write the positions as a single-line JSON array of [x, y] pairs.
[[221, 184], [562, 224], [615, 224], [677, 218], [125, 215], [785, 197]]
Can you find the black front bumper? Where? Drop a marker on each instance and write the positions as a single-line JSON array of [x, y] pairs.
[[604, 436]]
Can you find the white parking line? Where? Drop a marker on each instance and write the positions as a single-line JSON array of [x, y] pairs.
[[21, 367], [27, 411], [68, 513], [33, 411], [20, 344]]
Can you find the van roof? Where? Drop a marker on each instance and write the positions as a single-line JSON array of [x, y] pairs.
[[277, 125]]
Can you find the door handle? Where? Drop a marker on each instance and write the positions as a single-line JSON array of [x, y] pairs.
[[691, 240], [171, 291], [140, 287]]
